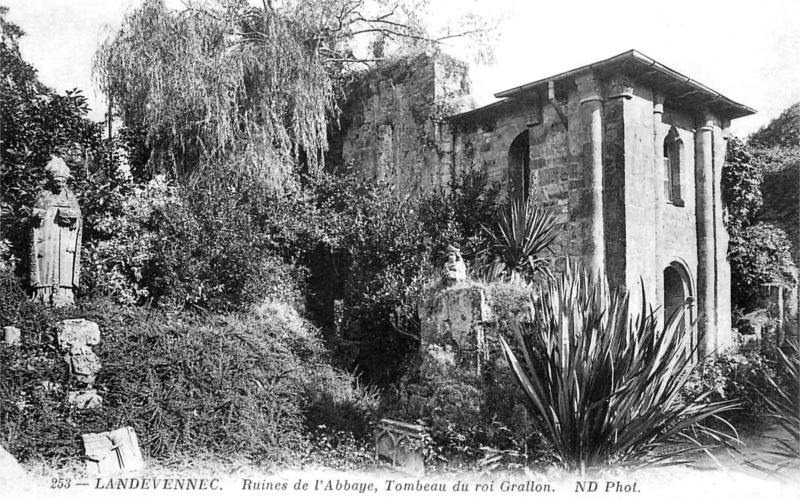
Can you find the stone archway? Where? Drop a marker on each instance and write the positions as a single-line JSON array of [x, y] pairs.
[[677, 289], [519, 166]]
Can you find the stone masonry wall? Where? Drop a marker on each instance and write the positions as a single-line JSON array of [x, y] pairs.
[[397, 133], [678, 235], [393, 127], [640, 194]]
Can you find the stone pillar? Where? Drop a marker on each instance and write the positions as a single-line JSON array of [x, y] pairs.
[[722, 268], [658, 195], [592, 110], [704, 212]]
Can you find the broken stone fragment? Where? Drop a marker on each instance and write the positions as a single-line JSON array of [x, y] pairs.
[[112, 451], [77, 332], [84, 364], [74, 338], [86, 399], [12, 335]]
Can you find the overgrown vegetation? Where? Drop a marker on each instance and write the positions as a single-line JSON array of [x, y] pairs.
[[37, 123], [606, 379], [760, 189], [252, 386]]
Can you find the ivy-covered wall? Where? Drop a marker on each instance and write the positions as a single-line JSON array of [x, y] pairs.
[[393, 126]]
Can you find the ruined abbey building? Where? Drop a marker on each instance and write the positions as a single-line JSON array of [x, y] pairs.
[[629, 151]]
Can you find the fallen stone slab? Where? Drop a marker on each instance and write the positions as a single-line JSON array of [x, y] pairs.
[[12, 335], [112, 451]]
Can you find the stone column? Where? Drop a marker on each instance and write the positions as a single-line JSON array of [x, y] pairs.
[[722, 269], [592, 104], [704, 212], [658, 195]]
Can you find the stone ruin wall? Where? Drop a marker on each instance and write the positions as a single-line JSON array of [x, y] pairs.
[[393, 127], [558, 175], [395, 131]]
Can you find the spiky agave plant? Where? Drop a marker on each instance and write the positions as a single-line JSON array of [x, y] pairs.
[[523, 232], [607, 384], [784, 407]]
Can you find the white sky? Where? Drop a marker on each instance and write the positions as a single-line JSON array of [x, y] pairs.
[[745, 49]]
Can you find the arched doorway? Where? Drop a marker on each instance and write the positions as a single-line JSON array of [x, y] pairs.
[[519, 166], [677, 289]]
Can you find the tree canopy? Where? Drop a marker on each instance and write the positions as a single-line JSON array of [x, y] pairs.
[[225, 81]]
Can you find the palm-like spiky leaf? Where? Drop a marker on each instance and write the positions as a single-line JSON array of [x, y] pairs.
[[523, 232], [606, 384]]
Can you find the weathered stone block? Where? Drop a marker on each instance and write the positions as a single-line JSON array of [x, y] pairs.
[[87, 399], [456, 317], [77, 332], [12, 335], [75, 338]]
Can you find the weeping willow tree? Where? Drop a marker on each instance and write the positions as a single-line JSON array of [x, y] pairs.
[[217, 81], [244, 88]]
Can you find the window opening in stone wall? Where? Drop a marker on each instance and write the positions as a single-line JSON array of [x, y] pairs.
[[673, 152], [519, 165]]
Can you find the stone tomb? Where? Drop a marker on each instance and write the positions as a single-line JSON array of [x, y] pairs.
[[402, 444]]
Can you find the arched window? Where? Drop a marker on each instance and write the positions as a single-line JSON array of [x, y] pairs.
[[673, 158], [519, 165]]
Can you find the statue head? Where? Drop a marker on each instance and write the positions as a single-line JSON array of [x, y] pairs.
[[58, 173], [454, 268]]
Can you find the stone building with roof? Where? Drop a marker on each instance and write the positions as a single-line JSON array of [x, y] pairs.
[[630, 152]]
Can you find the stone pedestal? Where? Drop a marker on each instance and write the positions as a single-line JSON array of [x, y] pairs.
[[455, 320]]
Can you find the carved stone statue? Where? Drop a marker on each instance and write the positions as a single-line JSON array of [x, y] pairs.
[[454, 269], [56, 242]]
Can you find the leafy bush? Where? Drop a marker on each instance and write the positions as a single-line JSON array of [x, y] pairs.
[[758, 254], [735, 378], [252, 385], [784, 406], [606, 384], [38, 123]]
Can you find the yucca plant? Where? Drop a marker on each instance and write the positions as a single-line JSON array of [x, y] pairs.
[[523, 232], [607, 384], [784, 407]]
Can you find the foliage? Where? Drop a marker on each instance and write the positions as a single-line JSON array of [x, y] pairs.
[[758, 255], [606, 384], [251, 386], [741, 185], [733, 377], [221, 78], [524, 230], [784, 406], [453, 214], [36, 124], [202, 79], [759, 188], [783, 131]]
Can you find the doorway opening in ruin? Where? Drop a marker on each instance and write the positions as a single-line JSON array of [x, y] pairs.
[[677, 289], [519, 166]]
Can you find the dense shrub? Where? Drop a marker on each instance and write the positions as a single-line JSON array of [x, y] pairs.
[[736, 378], [249, 385], [758, 254]]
